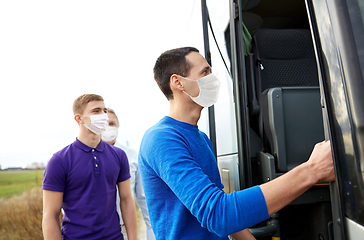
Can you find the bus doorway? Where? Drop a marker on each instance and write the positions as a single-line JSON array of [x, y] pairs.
[[293, 77]]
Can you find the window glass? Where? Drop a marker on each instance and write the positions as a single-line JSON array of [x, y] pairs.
[[356, 12]]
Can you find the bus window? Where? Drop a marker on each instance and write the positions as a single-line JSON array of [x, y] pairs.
[[356, 11]]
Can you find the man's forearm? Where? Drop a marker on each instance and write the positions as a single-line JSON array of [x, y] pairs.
[[281, 191], [129, 216], [51, 229], [243, 235]]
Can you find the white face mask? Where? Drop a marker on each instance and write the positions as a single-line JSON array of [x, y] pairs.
[[98, 123], [110, 134], [209, 90]]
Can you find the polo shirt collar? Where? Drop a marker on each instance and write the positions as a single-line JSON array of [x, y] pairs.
[[86, 148]]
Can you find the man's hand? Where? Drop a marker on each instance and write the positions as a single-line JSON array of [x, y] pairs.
[[321, 163], [279, 192]]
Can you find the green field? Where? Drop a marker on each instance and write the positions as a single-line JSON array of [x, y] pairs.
[[16, 182]]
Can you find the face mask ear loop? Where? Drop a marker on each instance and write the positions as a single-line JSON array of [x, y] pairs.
[[187, 94], [199, 89]]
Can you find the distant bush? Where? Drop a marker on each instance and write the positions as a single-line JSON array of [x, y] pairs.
[[21, 216]]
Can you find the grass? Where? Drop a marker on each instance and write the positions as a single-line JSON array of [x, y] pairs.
[[14, 183], [21, 216], [21, 206]]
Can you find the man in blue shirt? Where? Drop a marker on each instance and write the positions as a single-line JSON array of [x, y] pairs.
[[82, 179], [179, 171]]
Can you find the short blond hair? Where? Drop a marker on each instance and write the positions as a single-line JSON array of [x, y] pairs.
[[80, 103], [109, 110]]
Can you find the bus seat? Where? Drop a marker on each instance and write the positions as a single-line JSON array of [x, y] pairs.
[[248, 4], [283, 78], [293, 124], [279, 58]]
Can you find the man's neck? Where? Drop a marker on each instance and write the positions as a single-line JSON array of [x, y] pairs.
[[88, 138], [185, 113]]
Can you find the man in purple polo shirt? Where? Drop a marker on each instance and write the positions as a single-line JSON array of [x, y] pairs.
[[81, 179]]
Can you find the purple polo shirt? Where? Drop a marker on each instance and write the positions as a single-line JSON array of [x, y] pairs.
[[88, 177]]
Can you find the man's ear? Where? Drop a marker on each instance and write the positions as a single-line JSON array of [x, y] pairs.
[[78, 119], [175, 82]]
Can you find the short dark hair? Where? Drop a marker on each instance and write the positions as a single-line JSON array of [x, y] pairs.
[[171, 62]]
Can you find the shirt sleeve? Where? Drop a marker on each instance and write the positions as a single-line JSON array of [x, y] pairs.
[[133, 172], [124, 173], [220, 213], [55, 175], [140, 198]]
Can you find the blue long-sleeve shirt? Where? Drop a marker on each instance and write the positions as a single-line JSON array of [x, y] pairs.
[[183, 188]]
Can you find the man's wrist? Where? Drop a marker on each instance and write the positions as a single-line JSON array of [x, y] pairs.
[[307, 170]]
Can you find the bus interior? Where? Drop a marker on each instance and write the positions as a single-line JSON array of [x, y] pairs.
[[284, 117]]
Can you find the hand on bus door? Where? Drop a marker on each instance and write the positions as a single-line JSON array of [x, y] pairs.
[[281, 191], [321, 163]]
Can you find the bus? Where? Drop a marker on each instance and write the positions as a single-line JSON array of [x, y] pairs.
[[292, 75]]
